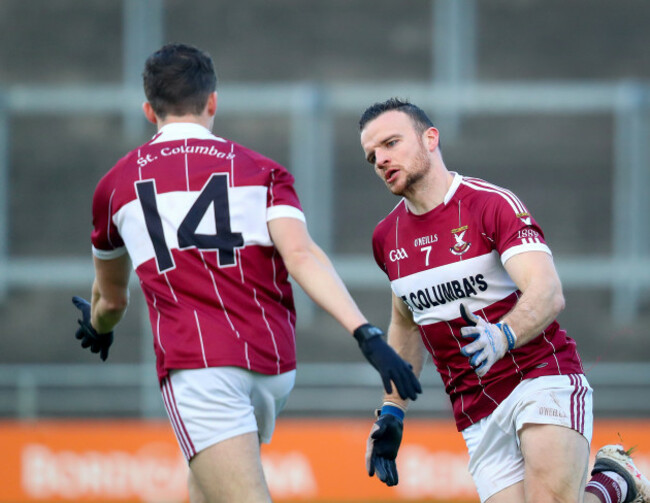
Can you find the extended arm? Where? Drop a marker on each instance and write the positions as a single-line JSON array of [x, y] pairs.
[[313, 271], [386, 433], [404, 337]]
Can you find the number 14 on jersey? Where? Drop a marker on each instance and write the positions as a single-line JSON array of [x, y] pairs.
[[223, 241]]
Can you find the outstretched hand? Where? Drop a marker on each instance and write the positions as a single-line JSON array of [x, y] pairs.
[[98, 343], [389, 364]]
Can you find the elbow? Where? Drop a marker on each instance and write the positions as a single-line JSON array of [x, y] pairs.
[[115, 307], [296, 260], [558, 303]]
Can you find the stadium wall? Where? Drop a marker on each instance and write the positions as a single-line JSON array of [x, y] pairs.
[[309, 460]]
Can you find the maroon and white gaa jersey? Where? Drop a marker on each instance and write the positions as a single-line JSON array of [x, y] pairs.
[[191, 209], [455, 254]]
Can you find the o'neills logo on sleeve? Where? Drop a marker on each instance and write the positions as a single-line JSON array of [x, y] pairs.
[[461, 245]]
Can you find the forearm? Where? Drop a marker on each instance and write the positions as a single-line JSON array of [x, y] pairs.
[[540, 303], [406, 341], [316, 275], [541, 300], [531, 316], [106, 313]]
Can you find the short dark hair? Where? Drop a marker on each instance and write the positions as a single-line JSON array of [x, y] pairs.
[[178, 79], [420, 119]]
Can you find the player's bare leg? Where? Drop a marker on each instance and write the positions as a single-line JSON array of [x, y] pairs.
[[556, 463], [514, 492], [230, 471], [194, 491]]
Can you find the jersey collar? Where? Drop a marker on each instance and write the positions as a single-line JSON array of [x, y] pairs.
[[453, 187], [183, 131], [455, 183]]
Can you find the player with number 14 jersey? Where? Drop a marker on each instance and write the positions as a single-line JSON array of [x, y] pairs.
[[184, 205]]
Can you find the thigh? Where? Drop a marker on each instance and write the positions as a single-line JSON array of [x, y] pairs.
[[511, 494], [554, 424], [231, 471], [208, 406], [556, 460], [268, 397], [497, 462]]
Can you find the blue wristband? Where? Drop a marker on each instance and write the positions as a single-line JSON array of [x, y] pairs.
[[510, 336], [393, 411]]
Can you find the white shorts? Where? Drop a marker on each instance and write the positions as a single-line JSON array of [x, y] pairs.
[[206, 406], [495, 459]]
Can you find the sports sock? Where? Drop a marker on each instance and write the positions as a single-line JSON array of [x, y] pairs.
[[608, 487]]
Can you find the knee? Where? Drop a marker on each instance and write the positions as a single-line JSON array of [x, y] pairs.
[[554, 490]]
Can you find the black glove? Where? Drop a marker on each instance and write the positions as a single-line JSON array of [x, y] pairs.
[[383, 444], [388, 363], [98, 343]]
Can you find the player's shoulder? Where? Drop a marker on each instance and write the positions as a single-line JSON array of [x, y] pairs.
[[117, 170], [254, 157], [389, 221], [480, 186], [487, 192], [121, 175]]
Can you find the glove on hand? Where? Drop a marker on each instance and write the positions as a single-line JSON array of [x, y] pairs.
[[98, 343], [490, 341], [383, 444], [387, 362]]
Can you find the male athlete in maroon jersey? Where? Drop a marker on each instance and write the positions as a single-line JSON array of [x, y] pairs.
[[213, 231], [191, 209], [467, 238], [474, 284]]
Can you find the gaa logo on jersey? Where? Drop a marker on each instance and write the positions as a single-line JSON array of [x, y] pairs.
[[461, 245], [397, 254]]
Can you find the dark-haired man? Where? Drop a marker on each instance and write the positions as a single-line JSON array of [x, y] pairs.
[[474, 284], [213, 231]]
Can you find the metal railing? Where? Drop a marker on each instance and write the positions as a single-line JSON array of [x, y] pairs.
[[312, 110], [33, 391], [343, 389]]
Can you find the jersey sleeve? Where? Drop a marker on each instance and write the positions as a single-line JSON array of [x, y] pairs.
[[282, 199], [106, 240], [378, 248], [512, 228]]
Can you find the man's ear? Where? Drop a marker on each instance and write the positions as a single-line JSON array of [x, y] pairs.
[[149, 113], [211, 106], [432, 137]]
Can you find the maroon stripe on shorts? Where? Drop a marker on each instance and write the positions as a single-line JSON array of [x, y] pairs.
[[182, 436], [578, 403]]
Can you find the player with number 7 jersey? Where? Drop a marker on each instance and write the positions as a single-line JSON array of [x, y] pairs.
[[192, 209]]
